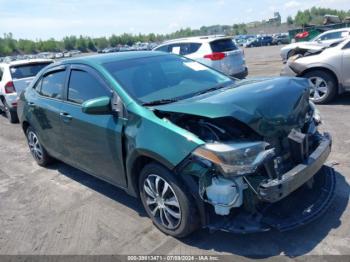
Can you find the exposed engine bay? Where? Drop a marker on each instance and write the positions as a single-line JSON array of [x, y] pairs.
[[247, 163]]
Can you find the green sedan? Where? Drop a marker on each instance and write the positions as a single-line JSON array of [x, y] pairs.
[[199, 148]]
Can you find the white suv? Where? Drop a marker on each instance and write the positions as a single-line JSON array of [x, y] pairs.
[[218, 52], [14, 77]]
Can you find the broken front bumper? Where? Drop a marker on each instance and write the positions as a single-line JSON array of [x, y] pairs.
[[298, 197], [275, 190], [299, 208]]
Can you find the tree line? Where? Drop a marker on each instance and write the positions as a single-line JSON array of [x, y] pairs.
[[10, 46], [315, 16]]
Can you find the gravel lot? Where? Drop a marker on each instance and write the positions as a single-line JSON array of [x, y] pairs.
[[61, 210]]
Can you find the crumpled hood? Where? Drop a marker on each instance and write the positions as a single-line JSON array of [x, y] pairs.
[[271, 107]]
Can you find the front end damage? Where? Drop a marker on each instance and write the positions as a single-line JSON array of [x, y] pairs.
[[252, 186], [251, 182]]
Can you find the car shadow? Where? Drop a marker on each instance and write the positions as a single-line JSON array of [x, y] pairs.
[[343, 99], [292, 243], [100, 186]]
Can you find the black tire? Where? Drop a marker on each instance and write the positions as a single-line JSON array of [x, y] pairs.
[[279, 43], [45, 158], [331, 85], [10, 114], [189, 220]]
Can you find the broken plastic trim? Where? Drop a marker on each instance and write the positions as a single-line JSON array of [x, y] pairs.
[[235, 159]]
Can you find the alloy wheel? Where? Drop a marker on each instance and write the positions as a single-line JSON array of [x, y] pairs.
[[162, 202], [34, 146], [319, 88]]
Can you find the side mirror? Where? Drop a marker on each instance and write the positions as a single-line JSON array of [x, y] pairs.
[[97, 106]]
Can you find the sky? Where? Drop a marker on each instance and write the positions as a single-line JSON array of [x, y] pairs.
[[43, 19]]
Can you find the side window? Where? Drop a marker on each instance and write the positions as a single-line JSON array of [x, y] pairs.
[[53, 84], [83, 86], [190, 48], [1, 73], [164, 48], [347, 46], [175, 49], [331, 36], [37, 85]]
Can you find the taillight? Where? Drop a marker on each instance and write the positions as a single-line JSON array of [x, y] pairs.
[[10, 88], [215, 56]]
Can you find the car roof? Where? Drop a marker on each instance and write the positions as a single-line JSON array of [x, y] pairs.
[[113, 57], [197, 39], [26, 61], [337, 30]]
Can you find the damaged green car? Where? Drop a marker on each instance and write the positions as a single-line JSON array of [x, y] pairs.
[[198, 148]]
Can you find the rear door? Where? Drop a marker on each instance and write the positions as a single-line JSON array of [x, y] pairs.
[[22, 75], [45, 102], [233, 62], [93, 142]]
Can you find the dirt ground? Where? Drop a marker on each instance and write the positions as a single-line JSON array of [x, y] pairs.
[[61, 210]]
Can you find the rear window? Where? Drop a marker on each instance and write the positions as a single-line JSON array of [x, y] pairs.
[[223, 45], [30, 70]]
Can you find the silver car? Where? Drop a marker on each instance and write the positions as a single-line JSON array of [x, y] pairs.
[[218, 52], [325, 39], [328, 71]]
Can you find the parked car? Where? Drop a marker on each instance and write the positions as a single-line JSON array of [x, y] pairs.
[[197, 147], [218, 52], [280, 39], [14, 77], [260, 41], [325, 39], [327, 70]]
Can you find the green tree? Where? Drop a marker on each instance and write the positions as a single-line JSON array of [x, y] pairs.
[[290, 20], [82, 44]]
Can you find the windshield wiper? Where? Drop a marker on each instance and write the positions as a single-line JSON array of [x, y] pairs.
[[209, 90], [159, 102]]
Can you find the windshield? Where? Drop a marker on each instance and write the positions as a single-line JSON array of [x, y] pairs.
[[164, 77], [28, 70]]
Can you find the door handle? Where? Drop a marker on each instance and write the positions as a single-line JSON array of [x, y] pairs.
[[66, 117], [31, 104]]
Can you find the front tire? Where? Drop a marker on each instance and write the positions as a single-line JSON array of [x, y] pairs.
[[166, 201], [323, 86], [38, 152]]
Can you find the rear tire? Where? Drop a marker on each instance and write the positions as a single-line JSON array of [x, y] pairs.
[[166, 201], [10, 114], [324, 86], [38, 152]]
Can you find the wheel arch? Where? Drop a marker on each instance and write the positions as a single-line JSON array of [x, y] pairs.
[[325, 69], [136, 162], [25, 125], [139, 161]]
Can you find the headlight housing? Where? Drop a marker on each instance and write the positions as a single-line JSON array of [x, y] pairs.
[[239, 158], [316, 113]]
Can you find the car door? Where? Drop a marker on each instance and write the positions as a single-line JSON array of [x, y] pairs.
[[92, 142], [346, 66], [45, 102]]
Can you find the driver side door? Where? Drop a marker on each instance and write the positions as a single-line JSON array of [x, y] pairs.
[[93, 142]]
